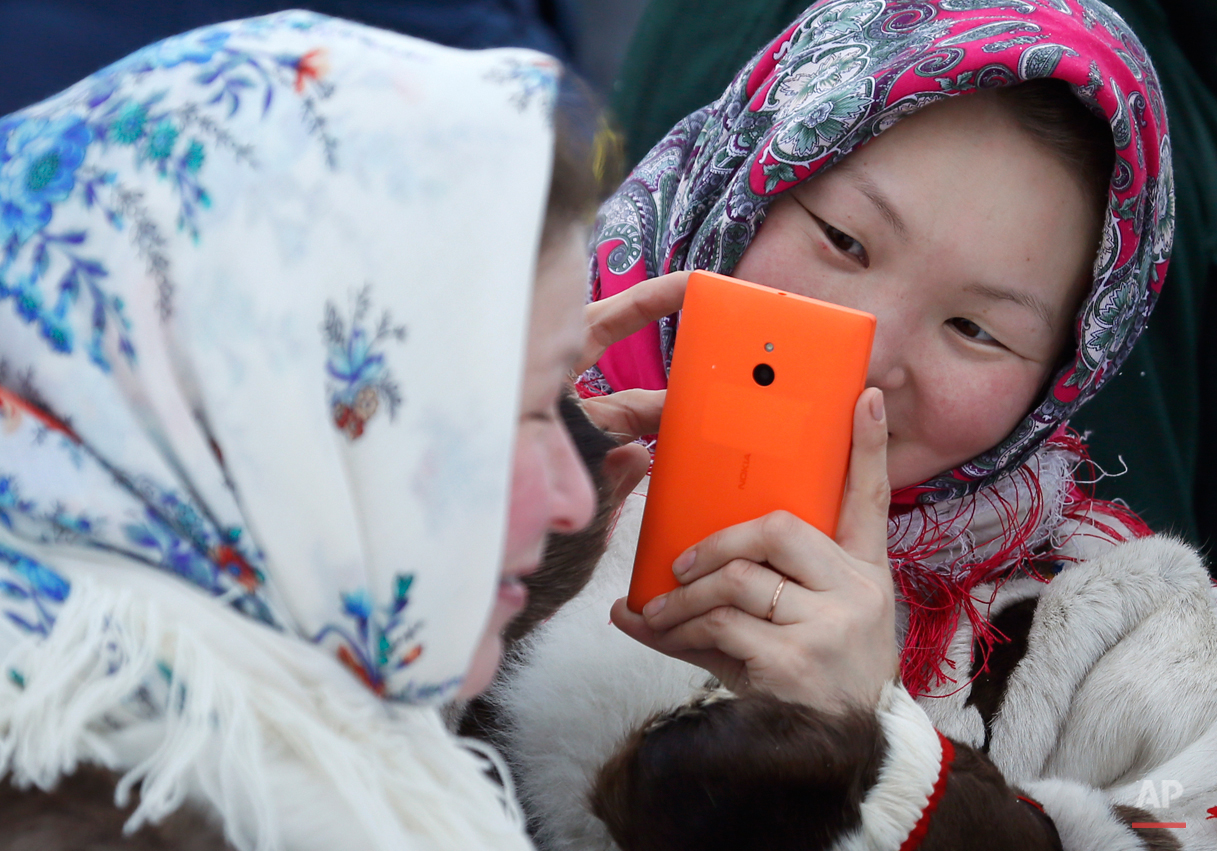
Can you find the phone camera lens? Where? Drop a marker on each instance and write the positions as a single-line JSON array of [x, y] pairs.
[[763, 374]]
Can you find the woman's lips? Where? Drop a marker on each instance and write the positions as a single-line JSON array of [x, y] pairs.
[[513, 593]]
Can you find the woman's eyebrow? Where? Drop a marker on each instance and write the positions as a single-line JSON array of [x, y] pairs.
[[1027, 300], [868, 188]]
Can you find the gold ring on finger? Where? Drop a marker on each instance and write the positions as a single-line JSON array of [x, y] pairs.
[[776, 594]]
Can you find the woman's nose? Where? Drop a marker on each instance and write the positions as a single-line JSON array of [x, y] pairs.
[[572, 494], [889, 354]]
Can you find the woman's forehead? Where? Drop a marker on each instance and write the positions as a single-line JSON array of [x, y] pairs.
[[962, 171]]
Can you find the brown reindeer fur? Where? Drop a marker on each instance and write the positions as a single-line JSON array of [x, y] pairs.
[[991, 672], [740, 774], [979, 810], [1155, 838], [80, 815], [759, 773]]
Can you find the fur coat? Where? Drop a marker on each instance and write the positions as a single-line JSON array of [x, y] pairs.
[[1097, 714]]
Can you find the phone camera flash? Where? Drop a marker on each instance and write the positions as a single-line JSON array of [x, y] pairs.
[[769, 347]]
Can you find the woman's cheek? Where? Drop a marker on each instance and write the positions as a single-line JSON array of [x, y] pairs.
[[972, 409]]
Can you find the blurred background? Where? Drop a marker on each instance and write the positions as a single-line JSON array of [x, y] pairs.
[[46, 45]]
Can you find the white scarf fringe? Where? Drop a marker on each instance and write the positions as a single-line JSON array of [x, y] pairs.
[[975, 525], [262, 729]]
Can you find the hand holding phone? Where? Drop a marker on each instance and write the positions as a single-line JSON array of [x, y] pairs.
[[758, 418]]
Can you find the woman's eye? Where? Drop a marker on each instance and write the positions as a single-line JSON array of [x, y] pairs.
[[971, 330], [846, 243], [547, 413]]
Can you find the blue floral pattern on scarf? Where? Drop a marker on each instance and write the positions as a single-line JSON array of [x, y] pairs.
[[33, 591], [50, 276], [153, 525], [51, 155], [126, 203], [38, 165], [383, 639], [360, 380]]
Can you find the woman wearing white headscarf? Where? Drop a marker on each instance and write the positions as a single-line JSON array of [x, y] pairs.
[[254, 474]]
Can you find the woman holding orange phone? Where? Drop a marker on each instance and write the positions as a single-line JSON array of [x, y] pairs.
[[974, 191], [852, 571]]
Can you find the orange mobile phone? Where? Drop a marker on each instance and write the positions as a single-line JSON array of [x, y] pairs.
[[758, 417]]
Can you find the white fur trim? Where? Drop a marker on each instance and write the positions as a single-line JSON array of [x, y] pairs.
[[911, 767], [946, 704], [1082, 615], [271, 736], [580, 689], [1159, 680], [1191, 778], [1083, 817]]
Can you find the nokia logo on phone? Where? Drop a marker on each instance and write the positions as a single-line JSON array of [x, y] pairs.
[[743, 471]]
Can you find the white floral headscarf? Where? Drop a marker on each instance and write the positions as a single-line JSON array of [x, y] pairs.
[[248, 280]]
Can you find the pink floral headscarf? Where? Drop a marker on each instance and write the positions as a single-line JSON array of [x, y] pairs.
[[842, 73]]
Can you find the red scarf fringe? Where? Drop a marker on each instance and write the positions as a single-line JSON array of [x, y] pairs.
[[937, 599]]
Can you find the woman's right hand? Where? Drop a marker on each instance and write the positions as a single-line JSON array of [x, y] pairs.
[[628, 414], [776, 605]]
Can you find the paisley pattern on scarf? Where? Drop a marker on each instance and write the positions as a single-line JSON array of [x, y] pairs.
[[841, 74], [205, 250]]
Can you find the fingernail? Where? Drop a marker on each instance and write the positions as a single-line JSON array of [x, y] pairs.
[[654, 607], [876, 406], [682, 564]]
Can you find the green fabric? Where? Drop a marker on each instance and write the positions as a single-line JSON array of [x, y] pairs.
[[1154, 413], [1194, 26], [1151, 414], [683, 55]]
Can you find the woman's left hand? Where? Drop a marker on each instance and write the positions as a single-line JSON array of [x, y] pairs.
[[628, 414], [825, 637]]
